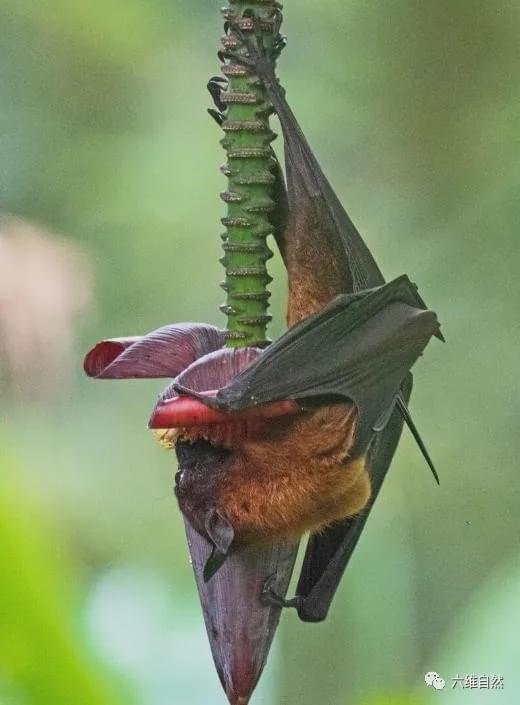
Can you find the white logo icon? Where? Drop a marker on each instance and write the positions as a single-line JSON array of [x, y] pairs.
[[434, 680]]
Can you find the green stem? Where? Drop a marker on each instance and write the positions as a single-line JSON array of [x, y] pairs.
[[249, 193]]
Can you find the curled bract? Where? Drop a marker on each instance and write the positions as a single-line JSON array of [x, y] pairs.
[[193, 355], [164, 352]]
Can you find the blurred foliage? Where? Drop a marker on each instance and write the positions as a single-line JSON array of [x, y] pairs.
[[412, 109], [42, 657]]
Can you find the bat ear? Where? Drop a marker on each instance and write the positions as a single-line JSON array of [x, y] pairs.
[[219, 531], [221, 534]]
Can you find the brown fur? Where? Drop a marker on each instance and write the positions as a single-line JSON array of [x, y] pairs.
[[316, 271], [296, 476], [299, 478]]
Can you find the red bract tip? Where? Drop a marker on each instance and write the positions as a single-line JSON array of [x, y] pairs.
[[104, 353], [186, 411]]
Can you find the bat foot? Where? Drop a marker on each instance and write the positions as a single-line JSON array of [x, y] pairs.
[[279, 45], [270, 597], [252, 51]]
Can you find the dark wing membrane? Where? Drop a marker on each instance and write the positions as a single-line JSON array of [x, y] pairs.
[[359, 347], [328, 553], [280, 215], [308, 187], [310, 198]]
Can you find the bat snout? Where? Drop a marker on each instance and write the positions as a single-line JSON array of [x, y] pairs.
[[201, 469]]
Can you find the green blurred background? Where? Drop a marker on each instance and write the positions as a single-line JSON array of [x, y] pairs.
[[412, 107]]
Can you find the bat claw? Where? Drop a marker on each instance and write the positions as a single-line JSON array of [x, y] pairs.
[[257, 28], [270, 597], [215, 87], [239, 57], [218, 117], [279, 45], [252, 51]]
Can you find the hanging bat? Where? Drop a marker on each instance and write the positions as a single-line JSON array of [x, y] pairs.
[[344, 363], [297, 437]]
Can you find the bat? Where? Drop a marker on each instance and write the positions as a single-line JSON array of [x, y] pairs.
[[297, 437], [293, 438], [344, 362]]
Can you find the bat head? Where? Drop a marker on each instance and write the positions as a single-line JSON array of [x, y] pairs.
[[202, 466], [291, 475]]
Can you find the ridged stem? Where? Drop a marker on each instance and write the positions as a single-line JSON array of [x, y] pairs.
[[250, 178]]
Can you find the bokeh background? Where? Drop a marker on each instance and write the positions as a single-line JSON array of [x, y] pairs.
[[109, 189]]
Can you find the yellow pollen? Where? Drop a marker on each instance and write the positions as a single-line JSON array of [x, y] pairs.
[[166, 437]]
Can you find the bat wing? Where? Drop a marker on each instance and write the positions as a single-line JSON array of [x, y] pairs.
[[309, 192], [328, 553], [280, 215], [310, 200], [360, 347], [311, 204]]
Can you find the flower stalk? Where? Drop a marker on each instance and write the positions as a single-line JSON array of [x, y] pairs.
[[249, 169]]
